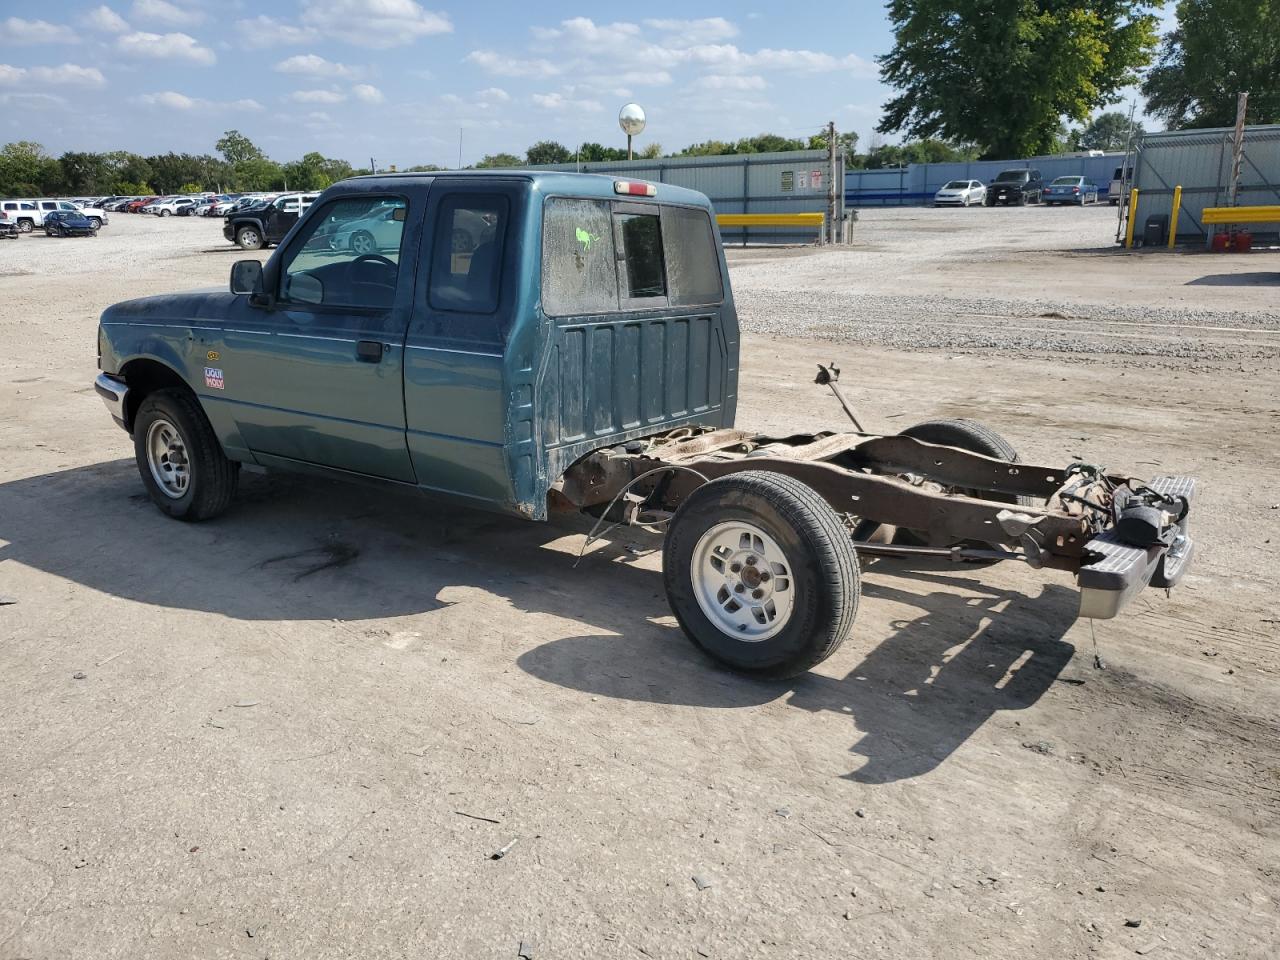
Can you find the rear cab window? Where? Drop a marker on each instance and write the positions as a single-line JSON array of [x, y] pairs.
[[601, 256]]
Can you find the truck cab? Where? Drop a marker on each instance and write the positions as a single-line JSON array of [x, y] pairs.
[[470, 334]]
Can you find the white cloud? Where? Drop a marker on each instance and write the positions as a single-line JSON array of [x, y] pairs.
[[162, 11], [504, 66], [68, 74], [694, 31], [17, 30], [105, 19], [374, 23], [556, 101], [36, 101], [180, 101], [262, 31], [367, 93], [317, 96], [168, 46], [718, 81], [494, 93], [312, 65]]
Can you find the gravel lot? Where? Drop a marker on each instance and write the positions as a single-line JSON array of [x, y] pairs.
[[217, 746]]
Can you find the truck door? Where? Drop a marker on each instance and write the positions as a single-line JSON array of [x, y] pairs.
[[318, 378], [455, 404]]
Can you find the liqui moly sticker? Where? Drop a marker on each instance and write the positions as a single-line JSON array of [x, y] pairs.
[[213, 378]]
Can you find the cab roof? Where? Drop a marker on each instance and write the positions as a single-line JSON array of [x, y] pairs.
[[549, 182]]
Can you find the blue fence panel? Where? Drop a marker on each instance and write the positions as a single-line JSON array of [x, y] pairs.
[[916, 183]]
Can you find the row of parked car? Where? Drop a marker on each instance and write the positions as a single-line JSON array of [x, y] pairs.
[[56, 217], [1018, 187], [187, 205]]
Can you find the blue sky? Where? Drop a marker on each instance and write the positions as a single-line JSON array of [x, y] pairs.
[[398, 80]]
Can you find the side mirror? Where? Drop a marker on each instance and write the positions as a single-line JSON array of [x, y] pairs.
[[246, 277]]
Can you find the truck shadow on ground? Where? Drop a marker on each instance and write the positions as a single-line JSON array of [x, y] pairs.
[[1255, 279], [954, 651]]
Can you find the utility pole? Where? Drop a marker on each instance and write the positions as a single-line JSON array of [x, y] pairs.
[[373, 168], [1237, 148], [832, 226], [459, 148]]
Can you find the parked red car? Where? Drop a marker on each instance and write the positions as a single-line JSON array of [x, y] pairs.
[[136, 205]]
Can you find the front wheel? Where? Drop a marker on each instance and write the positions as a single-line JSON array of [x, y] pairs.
[[249, 238], [179, 458], [362, 242], [24, 226], [761, 574]]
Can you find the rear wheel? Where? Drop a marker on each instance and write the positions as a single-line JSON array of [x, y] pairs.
[[966, 435], [761, 573], [96, 222], [362, 242], [179, 458]]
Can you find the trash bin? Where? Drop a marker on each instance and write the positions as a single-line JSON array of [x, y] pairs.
[[1156, 231]]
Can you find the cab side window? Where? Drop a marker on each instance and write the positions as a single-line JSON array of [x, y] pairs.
[[693, 258], [348, 255], [466, 260]]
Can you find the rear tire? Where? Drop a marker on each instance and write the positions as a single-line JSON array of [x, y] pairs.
[[793, 596], [966, 435], [180, 459]]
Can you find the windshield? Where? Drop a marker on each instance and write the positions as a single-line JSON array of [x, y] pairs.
[[1011, 176], [956, 185]]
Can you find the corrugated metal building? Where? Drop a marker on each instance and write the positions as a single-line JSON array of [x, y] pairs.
[[792, 182], [1200, 162], [916, 183]]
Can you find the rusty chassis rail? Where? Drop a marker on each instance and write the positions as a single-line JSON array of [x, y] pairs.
[[945, 495]]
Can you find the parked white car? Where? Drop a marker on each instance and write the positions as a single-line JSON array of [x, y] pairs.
[[96, 215], [961, 193], [170, 205], [380, 230]]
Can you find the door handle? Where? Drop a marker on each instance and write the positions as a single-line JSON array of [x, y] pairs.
[[369, 351]]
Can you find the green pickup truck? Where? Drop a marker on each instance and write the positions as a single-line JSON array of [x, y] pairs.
[[539, 342]]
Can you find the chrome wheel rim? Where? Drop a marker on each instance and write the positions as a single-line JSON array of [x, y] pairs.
[[167, 459], [362, 243], [742, 581]]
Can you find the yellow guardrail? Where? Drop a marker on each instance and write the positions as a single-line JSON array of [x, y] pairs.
[[1241, 215], [771, 219]]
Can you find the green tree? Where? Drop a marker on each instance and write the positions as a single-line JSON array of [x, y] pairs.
[[236, 148], [651, 151], [596, 152], [1219, 48], [86, 173], [1003, 73], [1106, 131], [499, 160], [547, 151], [24, 168], [129, 172]]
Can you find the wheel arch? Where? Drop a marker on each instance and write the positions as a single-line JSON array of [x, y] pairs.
[[144, 376]]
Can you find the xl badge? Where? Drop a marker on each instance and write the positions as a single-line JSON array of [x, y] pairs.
[[213, 378]]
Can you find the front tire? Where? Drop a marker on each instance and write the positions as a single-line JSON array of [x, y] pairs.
[[25, 226], [249, 238], [179, 458], [96, 222], [761, 574], [362, 242]]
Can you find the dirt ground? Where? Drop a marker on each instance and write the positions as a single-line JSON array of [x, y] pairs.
[[302, 730]]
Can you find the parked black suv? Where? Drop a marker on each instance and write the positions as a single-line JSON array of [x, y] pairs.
[[258, 226], [1015, 186]]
